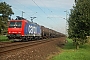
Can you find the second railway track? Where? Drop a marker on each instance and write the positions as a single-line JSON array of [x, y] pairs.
[[11, 47]]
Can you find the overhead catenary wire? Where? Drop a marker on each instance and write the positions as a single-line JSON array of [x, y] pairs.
[[41, 10], [25, 11], [53, 20], [38, 6]]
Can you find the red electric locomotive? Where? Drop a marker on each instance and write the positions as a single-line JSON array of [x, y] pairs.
[[22, 29]]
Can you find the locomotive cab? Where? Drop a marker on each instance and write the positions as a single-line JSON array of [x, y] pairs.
[[14, 29]]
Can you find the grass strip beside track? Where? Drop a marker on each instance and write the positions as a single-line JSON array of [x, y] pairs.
[[3, 38], [70, 53]]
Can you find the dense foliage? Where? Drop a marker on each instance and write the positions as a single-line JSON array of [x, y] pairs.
[[79, 22], [5, 12]]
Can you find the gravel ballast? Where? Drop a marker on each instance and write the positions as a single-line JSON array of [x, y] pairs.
[[38, 52]]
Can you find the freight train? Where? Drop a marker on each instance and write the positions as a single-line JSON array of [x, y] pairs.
[[25, 30]]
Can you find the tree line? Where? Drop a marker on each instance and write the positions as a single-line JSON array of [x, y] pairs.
[[5, 12], [79, 22]]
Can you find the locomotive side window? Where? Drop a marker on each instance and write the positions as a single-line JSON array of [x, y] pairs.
[[15, 24]]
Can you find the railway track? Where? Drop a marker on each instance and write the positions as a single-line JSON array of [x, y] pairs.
[[14, 46], [3, 43]]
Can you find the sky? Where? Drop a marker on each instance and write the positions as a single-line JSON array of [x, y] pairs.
[[49, 13]]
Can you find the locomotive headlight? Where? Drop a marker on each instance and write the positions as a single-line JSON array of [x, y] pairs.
[[9, 32], [13, 32], [19, 32]]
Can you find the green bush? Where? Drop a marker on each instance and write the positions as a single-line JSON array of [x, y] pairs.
[[3, 38]]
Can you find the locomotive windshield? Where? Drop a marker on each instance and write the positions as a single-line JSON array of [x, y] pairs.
[[15, 24]]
